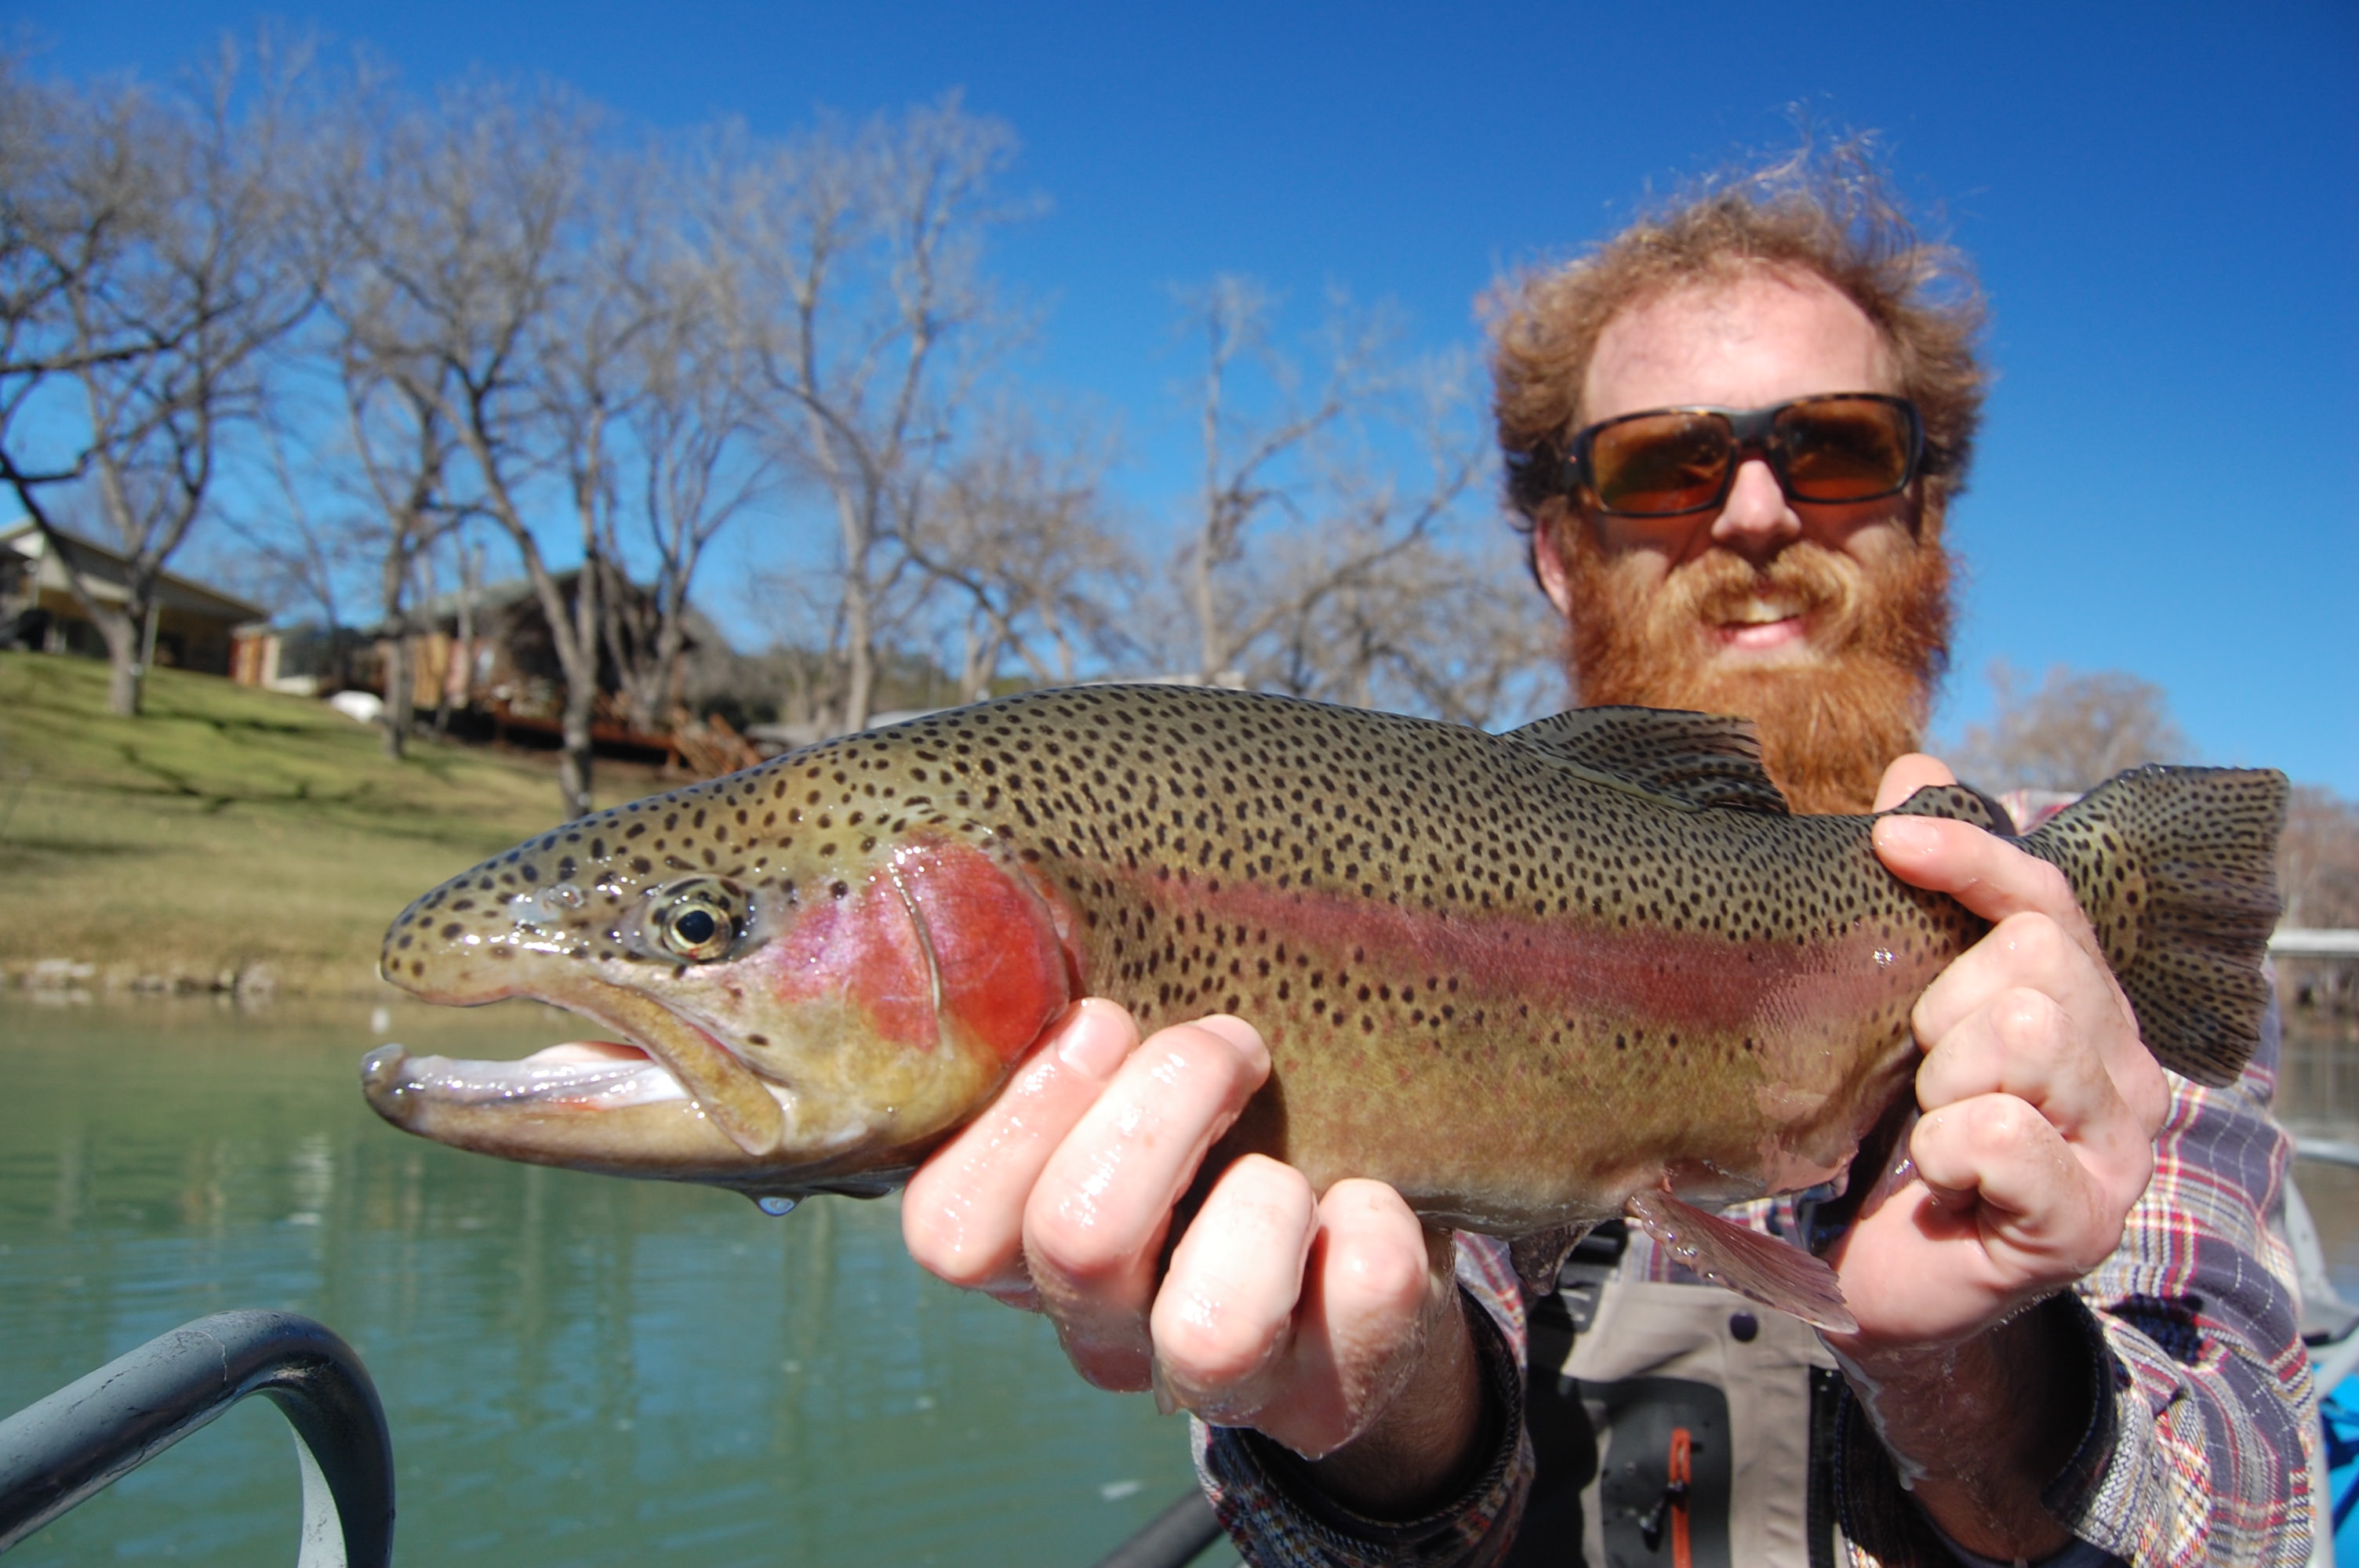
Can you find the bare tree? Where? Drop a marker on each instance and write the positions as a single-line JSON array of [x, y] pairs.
[[405, 445], [1340, 546], [2318, 859], [302, 556], [850, 258], [2069, 732], [469, 279], [145, 268], [699, 465], [1246, 455], [1440, 627], [1020, 536]]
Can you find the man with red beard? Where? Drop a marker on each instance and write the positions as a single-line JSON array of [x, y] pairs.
[[1734, 432]]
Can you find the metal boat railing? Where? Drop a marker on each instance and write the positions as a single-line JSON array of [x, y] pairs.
[[2299, 943], [61, 1451], [1171, 1538]]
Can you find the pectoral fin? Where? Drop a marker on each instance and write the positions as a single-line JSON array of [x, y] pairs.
[[1540, 1257], [1761, 1267]]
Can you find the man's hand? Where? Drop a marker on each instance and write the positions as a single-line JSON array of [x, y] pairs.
[[2040, 1106], [1329, 1322]]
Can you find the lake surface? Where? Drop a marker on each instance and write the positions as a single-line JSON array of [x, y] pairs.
[[576, 1370]]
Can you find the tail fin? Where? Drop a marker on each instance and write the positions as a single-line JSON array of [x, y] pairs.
[[2176, 870]]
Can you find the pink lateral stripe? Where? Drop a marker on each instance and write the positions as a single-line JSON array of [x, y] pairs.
[[1675, 979]]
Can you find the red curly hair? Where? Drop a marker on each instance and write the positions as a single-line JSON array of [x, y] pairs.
[[1829, 216]]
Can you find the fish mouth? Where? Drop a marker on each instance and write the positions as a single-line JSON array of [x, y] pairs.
[[612, 1109], [590, 1073], [662, 1057]]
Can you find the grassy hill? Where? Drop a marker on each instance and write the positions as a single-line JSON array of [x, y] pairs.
[[230, 831]]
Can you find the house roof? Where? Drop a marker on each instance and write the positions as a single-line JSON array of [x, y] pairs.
[[106, 565]]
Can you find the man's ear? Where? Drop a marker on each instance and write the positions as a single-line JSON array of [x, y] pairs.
[[1548, 561]]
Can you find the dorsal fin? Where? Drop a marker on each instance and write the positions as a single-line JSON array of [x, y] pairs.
[[1701, 759]]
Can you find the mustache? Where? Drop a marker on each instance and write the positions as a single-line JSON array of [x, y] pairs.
[[1822, 584]]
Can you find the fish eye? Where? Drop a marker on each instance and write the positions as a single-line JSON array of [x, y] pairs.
[[695, 921]]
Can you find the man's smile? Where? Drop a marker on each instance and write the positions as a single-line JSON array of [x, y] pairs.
[[1764, 623]]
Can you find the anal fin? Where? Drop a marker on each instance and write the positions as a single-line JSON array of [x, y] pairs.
[[1759, 1266]]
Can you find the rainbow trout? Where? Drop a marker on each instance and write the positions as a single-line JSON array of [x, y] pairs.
[[1586, 968]]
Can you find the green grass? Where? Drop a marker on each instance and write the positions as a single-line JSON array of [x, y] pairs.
[[227, 827]]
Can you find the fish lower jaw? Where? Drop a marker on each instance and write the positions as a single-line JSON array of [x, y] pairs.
[[580, 1075], [589, 1074]]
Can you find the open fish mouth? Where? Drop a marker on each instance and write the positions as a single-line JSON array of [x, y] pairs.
[[590, 1073], [619, 1109], [662, 1057]]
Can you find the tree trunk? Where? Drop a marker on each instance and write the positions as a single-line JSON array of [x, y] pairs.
[[580, 660], [669, 669], [394, 666], [573, 769], [127, 678], [860, 660], [399, 708]]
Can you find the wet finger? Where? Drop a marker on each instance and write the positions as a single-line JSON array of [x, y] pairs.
[[2042, 1210], [1382, 1280], [1225, 1310], [1375, 1285], [2031, 952], [1990, 875], [1095, 1222], [962, 1213], [2022, 952], [2021, 1042]]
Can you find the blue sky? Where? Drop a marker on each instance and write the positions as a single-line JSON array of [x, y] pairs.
[[2163, 200]]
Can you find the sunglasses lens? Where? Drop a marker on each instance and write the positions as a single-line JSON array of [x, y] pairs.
[[1844, 449], [1659, 465]]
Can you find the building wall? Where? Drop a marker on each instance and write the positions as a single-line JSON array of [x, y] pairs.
[[185, 640]]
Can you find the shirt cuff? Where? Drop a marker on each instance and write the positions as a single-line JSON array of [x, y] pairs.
[[2073, 1494], [1278, 1518]]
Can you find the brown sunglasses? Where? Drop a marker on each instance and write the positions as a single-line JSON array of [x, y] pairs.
[[1670, 462]]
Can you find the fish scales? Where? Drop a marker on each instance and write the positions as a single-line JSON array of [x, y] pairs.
[[1517, 977]]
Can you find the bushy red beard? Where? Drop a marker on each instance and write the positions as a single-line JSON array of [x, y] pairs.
[[1880, 643]]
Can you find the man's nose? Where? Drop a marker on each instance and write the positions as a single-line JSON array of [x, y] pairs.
[[1758, 521]]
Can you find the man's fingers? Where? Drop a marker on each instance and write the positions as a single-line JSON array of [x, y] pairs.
[[1314, 1358], [2085, 1011], [1096, 1221], [1382, 1279], [2041, 1204], [1908, 775], [1225, 1310], [2023, 952], [1985, 873], [962, 1214], [2018, 1043]]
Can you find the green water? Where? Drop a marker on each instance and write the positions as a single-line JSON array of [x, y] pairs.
[[576, 1370]]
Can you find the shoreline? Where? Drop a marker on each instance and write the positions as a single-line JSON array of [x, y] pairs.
[[253, 983]]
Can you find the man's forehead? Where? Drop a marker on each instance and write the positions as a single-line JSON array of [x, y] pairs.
[[1747, 341]]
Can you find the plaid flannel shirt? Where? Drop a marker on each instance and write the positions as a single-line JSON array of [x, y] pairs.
[[2199, 1454]]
